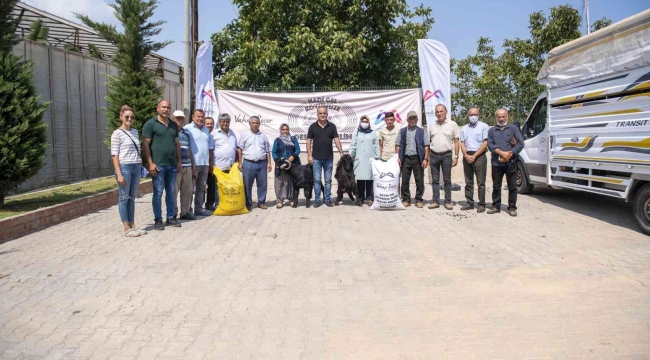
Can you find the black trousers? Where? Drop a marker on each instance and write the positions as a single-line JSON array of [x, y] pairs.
[[441, 163], [365, 190], [510, 171], [212, 198], [479, 169], [411, 164], [211, 192]]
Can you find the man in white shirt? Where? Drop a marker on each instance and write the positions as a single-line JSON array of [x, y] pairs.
[[254, 153], [225, 148], [443, 136], [387, 137], [473, 144]]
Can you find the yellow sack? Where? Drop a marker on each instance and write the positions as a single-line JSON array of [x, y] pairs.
[[232, 200]]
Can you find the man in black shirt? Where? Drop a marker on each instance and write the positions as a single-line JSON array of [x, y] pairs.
[[504, 161], [320, 134]]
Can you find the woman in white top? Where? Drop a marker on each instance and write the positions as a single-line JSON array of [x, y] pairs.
[[125, 150]]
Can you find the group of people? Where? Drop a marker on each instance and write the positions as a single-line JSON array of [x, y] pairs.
[[180, 157]]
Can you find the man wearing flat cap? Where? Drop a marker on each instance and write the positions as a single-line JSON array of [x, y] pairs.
[[412, 146]]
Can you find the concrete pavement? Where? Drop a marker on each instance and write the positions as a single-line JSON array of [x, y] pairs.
[[568, 278]]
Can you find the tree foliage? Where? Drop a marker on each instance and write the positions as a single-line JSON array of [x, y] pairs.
[[23, 138], [600, 24], [489, 81], [134, 85], [284, 43]]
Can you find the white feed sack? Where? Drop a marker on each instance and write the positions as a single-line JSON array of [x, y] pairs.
[[385, 176]]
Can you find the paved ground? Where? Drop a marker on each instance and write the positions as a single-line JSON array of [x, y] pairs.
[[569, 278]]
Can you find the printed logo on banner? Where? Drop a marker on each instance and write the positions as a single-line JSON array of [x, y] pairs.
[[437, 94], [340, 114], [381, 118], [208, 93]]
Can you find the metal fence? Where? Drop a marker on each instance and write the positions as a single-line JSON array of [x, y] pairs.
[[76, 123], [314, 88]]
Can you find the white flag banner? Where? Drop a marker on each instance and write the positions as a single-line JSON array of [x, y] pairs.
[[205, 94], [435, 75], [298, 110]]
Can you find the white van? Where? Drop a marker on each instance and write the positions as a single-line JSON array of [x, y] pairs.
[[590, 131]]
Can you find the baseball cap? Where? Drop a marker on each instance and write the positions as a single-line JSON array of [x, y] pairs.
[[411, 113], [178, 113]]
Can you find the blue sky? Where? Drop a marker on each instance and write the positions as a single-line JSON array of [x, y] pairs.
[[459, 23]]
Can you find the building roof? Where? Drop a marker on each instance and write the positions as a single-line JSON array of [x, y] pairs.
[[62, 32]]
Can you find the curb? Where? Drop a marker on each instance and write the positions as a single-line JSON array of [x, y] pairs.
[[20, 225]]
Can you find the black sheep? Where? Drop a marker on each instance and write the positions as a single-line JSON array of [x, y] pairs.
[[302, 176]]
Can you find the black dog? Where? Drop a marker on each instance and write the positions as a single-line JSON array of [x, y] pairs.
[[344, 176], [302, 176]]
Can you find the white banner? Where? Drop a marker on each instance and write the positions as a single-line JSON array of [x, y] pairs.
[[205, 94], [298, 110], [435, 75]]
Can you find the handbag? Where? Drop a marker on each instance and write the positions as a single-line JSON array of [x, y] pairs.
[[143, 170]]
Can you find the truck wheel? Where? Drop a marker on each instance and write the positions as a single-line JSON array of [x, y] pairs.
[[523, 186], [642, 208]]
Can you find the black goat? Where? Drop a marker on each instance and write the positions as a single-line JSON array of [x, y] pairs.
[[344, 176]]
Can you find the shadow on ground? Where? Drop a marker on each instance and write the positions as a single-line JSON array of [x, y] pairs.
[[604, 208]]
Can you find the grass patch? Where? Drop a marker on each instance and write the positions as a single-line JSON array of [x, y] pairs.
[[33, 201]]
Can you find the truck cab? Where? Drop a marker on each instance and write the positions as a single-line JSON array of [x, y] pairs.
[[590, 130]]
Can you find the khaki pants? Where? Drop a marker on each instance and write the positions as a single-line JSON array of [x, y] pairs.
[[185, 186]]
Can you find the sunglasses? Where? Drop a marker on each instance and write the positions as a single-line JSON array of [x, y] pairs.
[[129, 117]]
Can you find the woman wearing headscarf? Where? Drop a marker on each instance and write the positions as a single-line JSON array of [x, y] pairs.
[[364, 146], [285, 153]]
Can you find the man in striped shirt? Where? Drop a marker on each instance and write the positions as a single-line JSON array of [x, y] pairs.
[[185, 179]]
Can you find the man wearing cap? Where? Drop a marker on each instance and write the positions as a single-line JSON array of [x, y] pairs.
[[473, 144], [412, 146], [185, 177], [254, 162], [443, 135], [162, 152], [202, 145]]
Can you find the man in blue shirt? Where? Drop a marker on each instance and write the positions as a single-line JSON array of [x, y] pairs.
[[255, 162], [473, 144], [504, 161], [201, 147]]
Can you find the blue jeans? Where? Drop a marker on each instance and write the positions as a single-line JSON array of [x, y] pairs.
[[165, 180], [255, 171], [325, 166], [128, 192]]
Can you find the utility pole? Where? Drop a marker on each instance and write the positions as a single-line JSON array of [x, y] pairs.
[[187, 63], [195, 48], [587, 11]]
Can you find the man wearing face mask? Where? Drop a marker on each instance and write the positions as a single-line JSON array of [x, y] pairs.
[[504, 161], [473, 144]]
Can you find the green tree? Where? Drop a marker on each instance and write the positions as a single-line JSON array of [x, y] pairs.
[[134, 85], [600, 24], [282, 43], [489, 81], [23, 139]]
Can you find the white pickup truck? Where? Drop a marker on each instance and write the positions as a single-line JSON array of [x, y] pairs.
[[590, 130]]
